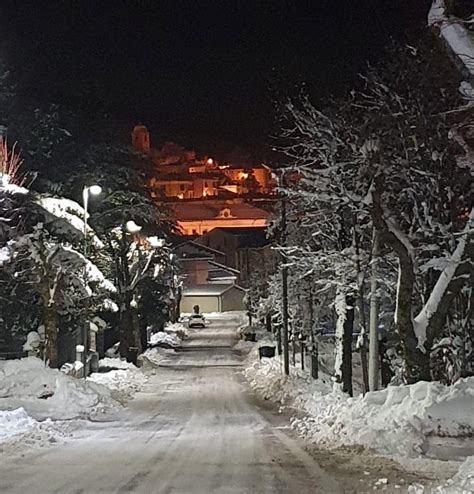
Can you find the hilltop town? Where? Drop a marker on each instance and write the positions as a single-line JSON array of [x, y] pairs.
[[204, 193]]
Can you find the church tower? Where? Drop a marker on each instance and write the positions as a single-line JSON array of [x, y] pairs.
[[141, 139]]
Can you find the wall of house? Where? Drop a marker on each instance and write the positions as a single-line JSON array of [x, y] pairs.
[[223, 242], [195, 272], [206, 303], [200, 227], [175, 188], [232, 299]]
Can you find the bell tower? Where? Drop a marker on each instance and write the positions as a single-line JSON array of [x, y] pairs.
[[141, 139]]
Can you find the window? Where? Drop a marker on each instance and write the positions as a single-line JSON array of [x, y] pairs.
[[182, 187]]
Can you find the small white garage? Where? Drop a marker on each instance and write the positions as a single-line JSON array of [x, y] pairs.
[[213, 298]]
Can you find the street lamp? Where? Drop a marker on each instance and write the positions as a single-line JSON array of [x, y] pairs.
[[94, 190], [132, 227]]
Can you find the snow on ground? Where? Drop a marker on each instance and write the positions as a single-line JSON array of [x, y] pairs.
[[36, 401], [397, 422], [170, 340], [49, 393], [19, 431], [123, 383], [461, 483], [394, 421], [178, 329], [152, 357], [110, 363]]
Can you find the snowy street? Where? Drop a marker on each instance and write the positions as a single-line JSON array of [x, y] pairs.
[[194, 428]]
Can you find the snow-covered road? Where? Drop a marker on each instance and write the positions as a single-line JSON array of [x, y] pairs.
[[194, 428]]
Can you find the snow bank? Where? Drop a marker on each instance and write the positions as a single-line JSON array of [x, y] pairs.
[[45, 392], [19, 431], [266, 377], [116, 363], [123, 382], [178, 329], [14, 422], [153, 357], [164, 339], [395, 420]]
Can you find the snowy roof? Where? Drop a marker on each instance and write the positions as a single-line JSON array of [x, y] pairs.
[[209, 290], [222, 266], [192, 251]]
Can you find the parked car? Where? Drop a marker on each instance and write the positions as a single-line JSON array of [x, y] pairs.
[[196, 321]]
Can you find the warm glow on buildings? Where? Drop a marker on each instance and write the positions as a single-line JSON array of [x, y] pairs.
[[179, 177]]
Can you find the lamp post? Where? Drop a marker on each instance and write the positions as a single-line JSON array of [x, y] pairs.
[[94, 190]]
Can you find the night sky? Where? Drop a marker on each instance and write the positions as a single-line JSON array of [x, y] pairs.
[[199, 72]]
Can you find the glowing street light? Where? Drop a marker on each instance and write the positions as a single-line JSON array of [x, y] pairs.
[[94, 190], [132, 227]]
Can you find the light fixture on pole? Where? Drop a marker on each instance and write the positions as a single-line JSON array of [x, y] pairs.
[[132, 227], [94, 190]]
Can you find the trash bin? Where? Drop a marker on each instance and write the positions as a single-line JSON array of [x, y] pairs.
[[94, 362], [132, 355], [266, 351]]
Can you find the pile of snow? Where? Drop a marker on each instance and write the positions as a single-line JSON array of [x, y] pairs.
[[178, 329], [123, 381], [267, 378], [19, 431], [153, 357], [395, 420], [235, 316], [166, 340], [15, 422], [115, 364], [45, 392], [461, 483]]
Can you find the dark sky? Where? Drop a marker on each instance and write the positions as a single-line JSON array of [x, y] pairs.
[[196, 71]]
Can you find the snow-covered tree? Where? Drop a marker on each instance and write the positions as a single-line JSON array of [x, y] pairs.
[[389, 158]]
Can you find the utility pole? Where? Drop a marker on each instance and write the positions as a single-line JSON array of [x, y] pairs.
[[374, 318], [284, 288]]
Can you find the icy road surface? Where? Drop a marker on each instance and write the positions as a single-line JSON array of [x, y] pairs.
[[195, 428]]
